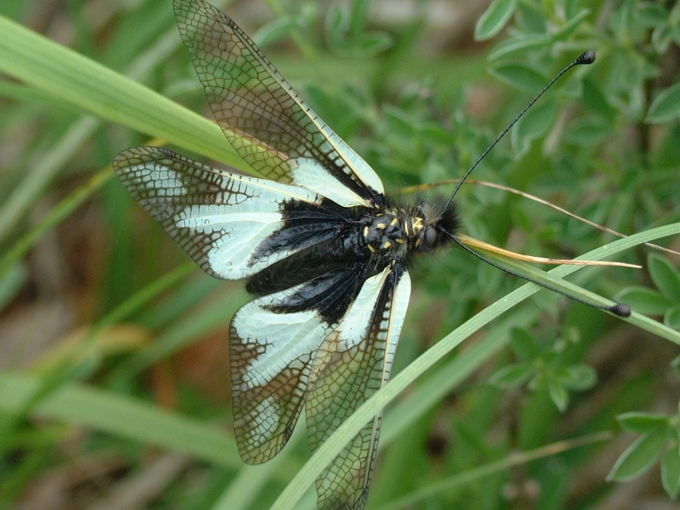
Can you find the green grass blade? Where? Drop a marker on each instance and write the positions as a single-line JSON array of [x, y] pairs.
[[42, 63], [121, 416]]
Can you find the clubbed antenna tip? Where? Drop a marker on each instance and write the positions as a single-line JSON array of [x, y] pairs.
[[621, 309], [586, 58]]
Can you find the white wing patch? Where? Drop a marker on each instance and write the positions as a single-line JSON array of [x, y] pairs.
[[271, 356], [236, 234], [219, 218], [312, 175], [354, 327], [287, 340]]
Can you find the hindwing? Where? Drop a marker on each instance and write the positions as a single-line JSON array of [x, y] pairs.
[[282, 361]]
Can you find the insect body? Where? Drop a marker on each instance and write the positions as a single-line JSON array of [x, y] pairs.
[[324, 252]]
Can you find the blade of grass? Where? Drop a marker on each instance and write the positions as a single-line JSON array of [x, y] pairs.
[[42, 63], [122, 416]]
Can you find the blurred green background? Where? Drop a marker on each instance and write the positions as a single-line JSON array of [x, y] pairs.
[[114, 383]]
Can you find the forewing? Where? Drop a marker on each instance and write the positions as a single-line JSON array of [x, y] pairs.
[[219, 218], [265, 121], [352, 364], [273, 343]]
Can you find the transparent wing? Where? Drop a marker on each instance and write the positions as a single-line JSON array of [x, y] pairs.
[[225, 221], [353, 363], [273, 344], [266, 122]]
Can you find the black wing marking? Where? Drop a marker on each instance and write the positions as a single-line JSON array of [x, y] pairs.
[[281, 361], [352, 364], [274, 341], [232, 225]]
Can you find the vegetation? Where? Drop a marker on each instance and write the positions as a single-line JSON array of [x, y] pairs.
[[113, 348]]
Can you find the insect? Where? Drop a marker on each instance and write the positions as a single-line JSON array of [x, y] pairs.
[[324, 253]]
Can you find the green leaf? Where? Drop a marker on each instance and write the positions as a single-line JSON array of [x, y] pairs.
[[399, 123], [88, 85], [524, 344], [337, 23], [120, 415], [670, 472], [11, 282], [535, 123], [373, 43], [512, 376], [587, 132], [641, 423], [672, 317], [675, 364], [520, 76], [558, 393], [675, 34], [276, 30], [639, 456], [665, 107], [520, 44], [579, 377], [494, 19], [651, 15], [437, 134], [665, 276], [662, 37], [644, 300], [565, 31]]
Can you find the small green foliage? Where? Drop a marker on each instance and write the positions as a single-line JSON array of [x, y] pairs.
[[658, 437], [665, 301], [494, 19], [640, 455], [544, 367], [641, 423], [670, 471], [665, 107], [345, 33]]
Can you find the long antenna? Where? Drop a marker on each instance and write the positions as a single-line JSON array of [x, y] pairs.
[[619, 309], [586, 58]]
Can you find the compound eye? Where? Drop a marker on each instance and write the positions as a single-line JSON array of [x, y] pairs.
[[430, 238]]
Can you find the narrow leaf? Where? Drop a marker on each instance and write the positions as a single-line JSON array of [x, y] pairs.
[[494, 19], [639, 456], [665, 107], [670, 472], [644, 300], [641, 423], [512, 376], [665, 276]]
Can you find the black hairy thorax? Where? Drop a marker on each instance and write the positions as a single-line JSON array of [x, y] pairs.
[[338, 248]]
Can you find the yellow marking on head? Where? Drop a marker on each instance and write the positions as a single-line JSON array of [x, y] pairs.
[[386, 245], [417, 225], [394, 221], [381, 226], [400, 240], [366, 231], [371, 248]]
